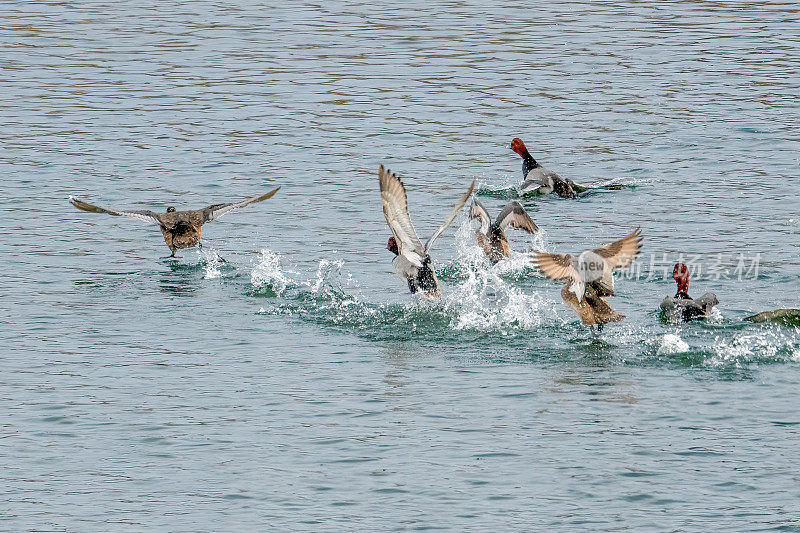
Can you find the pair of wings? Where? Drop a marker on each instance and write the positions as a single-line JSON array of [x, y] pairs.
[[513, 214], [395, 209], [617, 254], [211, 212]]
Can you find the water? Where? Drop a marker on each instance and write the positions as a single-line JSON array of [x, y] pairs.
[[282, 378]]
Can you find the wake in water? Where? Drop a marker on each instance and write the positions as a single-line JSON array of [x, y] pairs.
[[484, 308], [508, 187]]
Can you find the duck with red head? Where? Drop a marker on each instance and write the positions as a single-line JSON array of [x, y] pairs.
[[412, 260], [537, 179], [683, 308]]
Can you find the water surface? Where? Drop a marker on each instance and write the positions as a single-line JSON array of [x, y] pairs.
[[282, 378]]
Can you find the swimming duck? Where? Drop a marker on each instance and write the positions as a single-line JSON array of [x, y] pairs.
[[590, 277], [538, 179], [683, 307], [412, 261], [491, 235], [181, 229], [787, 317]]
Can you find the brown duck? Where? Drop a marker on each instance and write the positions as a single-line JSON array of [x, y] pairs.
[[181, 229], [590, 277], [491, 236]]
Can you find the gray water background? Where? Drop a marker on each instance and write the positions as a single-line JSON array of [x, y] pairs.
[[297, 386]]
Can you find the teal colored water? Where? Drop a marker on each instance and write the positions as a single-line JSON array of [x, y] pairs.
[[282, 378]]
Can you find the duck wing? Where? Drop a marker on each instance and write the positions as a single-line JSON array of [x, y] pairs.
[[618, 254], [561, 267], [395, 209], [621, 253], [213, 212], [146, 216], [477, 211], [453, 214], [514, 215], [558, 267]]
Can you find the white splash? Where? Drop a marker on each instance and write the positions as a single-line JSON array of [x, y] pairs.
[[326, 270], [268, 272], [484, 301], [768, 344], [671, 343], [212, 262]]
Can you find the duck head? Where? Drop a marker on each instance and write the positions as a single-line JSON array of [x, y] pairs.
[[518, 146], [170, 209], [680, 273], [392, 246]]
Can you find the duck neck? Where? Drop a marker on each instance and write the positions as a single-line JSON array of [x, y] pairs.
[[683, 289], [528, 164]]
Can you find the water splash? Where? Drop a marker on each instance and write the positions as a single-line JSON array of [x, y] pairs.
[[211, 262], [268, 277], [671, 343], [766, 345]]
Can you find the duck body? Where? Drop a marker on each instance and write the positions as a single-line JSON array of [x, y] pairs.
[[181, 229], [539, 180], [491, 236], [682, 307], [589, 277], [678, 309], [592, 309], [787, 317]]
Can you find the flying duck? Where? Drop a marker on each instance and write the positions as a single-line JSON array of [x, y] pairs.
[[491, 235], [536, 178], [181, 229], [589, 277], [412, 260], [683, 307]]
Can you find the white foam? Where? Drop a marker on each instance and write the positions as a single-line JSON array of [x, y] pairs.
[[484, 301], [268, 271], [212, 262], [671, 343]]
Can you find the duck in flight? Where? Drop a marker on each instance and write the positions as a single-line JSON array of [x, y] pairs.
[[181, 229], [683, 307], [412, 261], [537, 179], [491, 236], [590, 277]]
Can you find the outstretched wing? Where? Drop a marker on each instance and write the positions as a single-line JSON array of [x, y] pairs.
[[621, 253], [146, 216], [456, 209], [479, 212], [514, 215], [395, 209], [215, 211], [558, 267]]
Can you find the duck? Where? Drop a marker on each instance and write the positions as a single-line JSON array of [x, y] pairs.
[[787, 317], [181, 229], [589, 277], [537, 179], [682, 307], [412, 260], [491, 236]]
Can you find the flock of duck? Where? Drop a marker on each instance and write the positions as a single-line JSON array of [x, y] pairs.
[[588, 278]]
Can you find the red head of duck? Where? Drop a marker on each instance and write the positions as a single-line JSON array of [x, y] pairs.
[[681, 276], [392, 246]]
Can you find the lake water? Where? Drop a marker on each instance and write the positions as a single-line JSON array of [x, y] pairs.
[[282, 378]]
